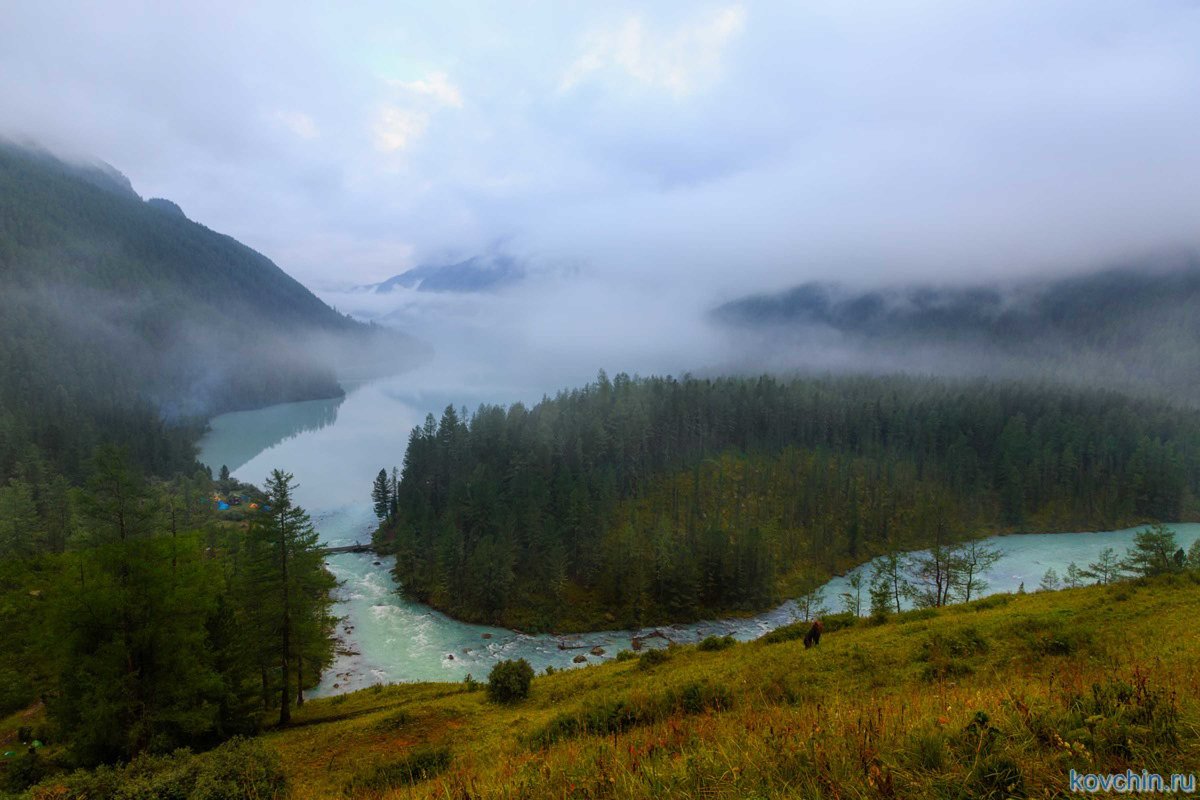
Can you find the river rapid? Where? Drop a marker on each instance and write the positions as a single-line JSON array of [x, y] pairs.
[[336, 447]]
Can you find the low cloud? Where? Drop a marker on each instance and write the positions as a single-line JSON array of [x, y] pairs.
[[675, 156]]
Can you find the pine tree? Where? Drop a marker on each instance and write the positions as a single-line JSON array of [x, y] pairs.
[[287, 573], [1105, 569], [1049, 581], [1153, 551], [381, 496]]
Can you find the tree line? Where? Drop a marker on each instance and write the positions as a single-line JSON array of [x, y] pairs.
[[146, 621], [632, 501]]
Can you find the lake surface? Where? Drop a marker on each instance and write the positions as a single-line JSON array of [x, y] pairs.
[[335, 448]]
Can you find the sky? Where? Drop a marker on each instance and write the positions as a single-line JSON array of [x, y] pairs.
[[688, 150]]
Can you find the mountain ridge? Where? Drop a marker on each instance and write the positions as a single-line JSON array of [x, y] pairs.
[[121, 317]]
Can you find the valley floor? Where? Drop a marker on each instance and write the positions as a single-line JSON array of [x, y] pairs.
[[1002, 697]]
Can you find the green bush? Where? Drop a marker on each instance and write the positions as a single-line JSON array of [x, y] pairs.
[[1051, 638], [837, 622], [945, 654], [786, 633], [991, 601], [626, 655], [419, 765], [698, 697], [611, 715], [22, 772], [238, 769], [712, 643], [508, 682], [652, 658], [916, 615]]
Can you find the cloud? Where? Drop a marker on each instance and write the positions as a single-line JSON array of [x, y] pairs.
[[680, 61], [396, 128], [436, 86], [300, 124], [724, 148]]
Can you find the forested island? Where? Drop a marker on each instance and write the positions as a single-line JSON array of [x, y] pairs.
[[637, 501]]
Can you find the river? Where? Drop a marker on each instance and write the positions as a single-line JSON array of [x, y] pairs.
[[336, 447]]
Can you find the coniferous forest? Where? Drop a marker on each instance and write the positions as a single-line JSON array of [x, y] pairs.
[[639, 501], [143, 621]]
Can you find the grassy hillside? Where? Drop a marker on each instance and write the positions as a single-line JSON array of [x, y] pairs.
[[116, 314], [993, 699]]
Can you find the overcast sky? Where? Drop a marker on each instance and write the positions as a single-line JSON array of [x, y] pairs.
[[715, 146]]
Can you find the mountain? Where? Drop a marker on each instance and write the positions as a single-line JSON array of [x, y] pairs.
[[121, 319], [1133, 328], [478, 274]]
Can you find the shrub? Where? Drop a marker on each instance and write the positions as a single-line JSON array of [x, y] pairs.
[[238, 769], [22, 772], [1051, 638], [916, 614], [419, 765], [712, 643], [836, 622], [626, 655], [944, 653], [611, 715], [991, 601], [508, 682], [652, 658], [786, 633], [698, 697]]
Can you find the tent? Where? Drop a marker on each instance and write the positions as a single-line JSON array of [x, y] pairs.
[[223, 506]]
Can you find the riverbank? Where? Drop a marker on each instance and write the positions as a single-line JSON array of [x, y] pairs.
[[1002, 696], [586, 613]]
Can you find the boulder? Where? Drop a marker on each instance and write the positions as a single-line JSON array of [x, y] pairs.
[[580, 659]]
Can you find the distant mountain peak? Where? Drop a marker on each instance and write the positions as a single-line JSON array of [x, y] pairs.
[[483, 273]]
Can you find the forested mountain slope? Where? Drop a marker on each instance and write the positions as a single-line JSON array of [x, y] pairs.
[[1133, 328], [631, 502], [117, 314]]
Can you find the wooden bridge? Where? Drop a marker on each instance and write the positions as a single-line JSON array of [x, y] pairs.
[[350, 548]]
